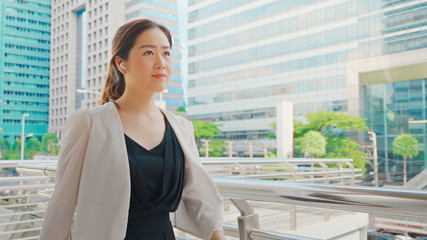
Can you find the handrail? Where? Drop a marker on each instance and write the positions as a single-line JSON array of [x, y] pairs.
[[13, 163], [50, 168], [260, 160], [242, 160], [380, 200]]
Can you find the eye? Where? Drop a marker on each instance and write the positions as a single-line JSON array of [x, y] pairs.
[[148, 51], [168, 53]]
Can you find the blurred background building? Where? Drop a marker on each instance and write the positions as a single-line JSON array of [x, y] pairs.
[[24, 67], [245, 56]]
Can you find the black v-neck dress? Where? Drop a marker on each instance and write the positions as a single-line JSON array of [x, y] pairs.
[[157, 179]]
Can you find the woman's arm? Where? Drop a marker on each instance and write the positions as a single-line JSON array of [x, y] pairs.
[[217, 234], [200, 212], [60, 210]]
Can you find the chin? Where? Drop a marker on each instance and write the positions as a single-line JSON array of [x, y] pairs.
[[159, 89]]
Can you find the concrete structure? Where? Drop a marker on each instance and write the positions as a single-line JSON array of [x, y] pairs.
[[285, 129]]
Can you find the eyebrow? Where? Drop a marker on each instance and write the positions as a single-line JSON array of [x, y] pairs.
[[153, 46]]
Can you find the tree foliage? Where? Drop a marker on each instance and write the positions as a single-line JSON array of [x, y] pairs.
[[335, 127], [50, 144], [208, 130], [313, 144], [12, 151], [32, 146], [406, 146], [203, 129]]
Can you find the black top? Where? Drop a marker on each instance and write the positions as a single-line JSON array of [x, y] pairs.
[[157, 179]]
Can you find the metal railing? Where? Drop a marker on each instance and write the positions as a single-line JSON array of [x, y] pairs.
[[287, 169], [384, 201], [19, 200], [294, 169], [419, 181]]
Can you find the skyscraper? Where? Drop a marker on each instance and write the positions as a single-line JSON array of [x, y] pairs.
[[82, 32], [24, 67], [245, 56]]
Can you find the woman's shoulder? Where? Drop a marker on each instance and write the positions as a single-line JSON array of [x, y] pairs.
[[80, 115], [178, 118]]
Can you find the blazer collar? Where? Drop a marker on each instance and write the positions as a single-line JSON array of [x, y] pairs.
[[179, 129]]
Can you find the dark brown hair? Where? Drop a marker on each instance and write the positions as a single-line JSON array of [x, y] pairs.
[[123, 41]]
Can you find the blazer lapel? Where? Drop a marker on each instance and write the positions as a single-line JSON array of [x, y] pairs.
[[178, 128]]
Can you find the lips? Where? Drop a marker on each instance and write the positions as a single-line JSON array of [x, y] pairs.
[[160, 76]]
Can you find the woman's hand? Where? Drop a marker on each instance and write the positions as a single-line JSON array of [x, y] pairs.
[[218, 235]]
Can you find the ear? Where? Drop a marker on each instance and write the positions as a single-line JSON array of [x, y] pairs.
[[119, 61]]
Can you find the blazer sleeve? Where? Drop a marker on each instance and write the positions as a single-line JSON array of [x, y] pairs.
[[202, 211], [60, 210]]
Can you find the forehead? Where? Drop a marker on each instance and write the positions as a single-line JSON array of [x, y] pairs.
[[152, 36]]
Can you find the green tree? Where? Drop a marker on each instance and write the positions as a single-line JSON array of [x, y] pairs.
[[406, 146], [323, 120], [313, 144], [208, 130], [334, 126], [5, 147], [218, 147], [181, 112], [272, 133], [32, 146], [49, 143], [203, 129], [180, 109], [348, 148], [14, 152]]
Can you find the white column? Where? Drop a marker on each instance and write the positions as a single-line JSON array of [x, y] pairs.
[[285, 129]]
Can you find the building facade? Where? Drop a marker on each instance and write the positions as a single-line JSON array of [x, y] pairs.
[[24, 68], [245, 56]]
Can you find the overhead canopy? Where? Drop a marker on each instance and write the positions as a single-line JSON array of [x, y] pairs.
[[396, 74]]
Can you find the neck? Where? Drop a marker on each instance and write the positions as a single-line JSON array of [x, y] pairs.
[[138, 104]]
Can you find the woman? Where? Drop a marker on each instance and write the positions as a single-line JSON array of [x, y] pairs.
[[125, 165]]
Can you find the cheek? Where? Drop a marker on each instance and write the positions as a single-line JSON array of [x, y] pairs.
[[140, 64], [170, 64]]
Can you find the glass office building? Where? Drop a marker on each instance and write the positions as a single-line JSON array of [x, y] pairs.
[[388, 108], [245, 56], [24, 67]]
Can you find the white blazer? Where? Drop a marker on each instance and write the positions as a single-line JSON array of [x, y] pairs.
[[93, 179]]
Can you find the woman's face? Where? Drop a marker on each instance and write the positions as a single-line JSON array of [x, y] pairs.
[[150, 56]]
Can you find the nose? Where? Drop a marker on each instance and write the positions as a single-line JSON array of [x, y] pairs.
[[160, 63]]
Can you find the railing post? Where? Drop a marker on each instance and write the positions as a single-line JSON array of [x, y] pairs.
[[351, 166], [242, 169], [293, 208], [293, 217], [326, 172], [326, 212], [339, 174], [226, 202], [293, 170], [247, 219], [229, 171]]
